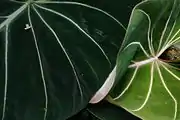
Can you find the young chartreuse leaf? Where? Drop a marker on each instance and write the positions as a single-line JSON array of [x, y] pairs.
[[54, 56], [152, 86]]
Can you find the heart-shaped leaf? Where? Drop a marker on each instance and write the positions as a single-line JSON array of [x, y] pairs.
[[152, 80], [54, 56]]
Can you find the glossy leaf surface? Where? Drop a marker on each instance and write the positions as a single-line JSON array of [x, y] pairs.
[[103, 111], [54, 56], [108, 111], [151, 91]]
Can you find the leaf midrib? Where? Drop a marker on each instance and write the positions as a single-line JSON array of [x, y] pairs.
[[14, 15]]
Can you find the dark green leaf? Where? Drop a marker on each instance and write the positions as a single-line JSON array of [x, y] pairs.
[[54, 56], [107, 111]]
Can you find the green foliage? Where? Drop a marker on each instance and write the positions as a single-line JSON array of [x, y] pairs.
[[150, 87], [54, 56]]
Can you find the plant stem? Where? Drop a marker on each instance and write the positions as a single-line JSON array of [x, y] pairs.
[[140, 63]]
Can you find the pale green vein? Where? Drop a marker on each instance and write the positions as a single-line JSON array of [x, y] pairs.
[[89, 64], [128, 85], [20, 2], [40, 63], [175, 41], [143, 62], [92, 69], [6, 72], [139, 44], [175, 35], [167, 89], [94, 114], [64, 50], [130, 21], [165, 28], [149, 30], [168, 38], [84, 5], [149, 90], [170, 72], [14, 15], [168, 42], [3, 17], [67, 18]]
